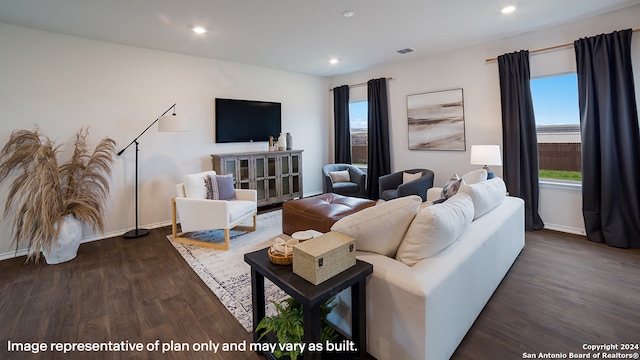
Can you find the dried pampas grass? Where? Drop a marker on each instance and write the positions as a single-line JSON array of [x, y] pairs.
[[44, 191]]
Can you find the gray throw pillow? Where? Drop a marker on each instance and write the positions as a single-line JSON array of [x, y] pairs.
[[220, 187], [451, 187]]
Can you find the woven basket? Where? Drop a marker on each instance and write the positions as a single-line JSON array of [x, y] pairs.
[[279, 259]]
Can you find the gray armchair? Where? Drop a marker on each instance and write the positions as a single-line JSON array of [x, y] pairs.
[[355, 186], [391, 186]]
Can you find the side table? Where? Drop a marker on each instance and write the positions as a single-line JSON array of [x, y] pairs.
[[311, 297]]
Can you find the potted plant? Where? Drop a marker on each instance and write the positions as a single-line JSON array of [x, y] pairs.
[[52, 199], [286, 324]]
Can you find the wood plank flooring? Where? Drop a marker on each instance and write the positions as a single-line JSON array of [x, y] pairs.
[[562, 292]]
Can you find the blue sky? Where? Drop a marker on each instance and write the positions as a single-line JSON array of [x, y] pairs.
[[358, 114], [555, 99]]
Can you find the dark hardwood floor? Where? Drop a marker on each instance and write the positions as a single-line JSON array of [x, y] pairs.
[[562, 292]]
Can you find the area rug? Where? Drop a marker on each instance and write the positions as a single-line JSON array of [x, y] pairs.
[[226, 273]]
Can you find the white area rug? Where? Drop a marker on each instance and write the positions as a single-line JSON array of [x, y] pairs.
[[226, 273]]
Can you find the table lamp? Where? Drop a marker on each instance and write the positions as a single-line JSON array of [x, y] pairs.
[[486, 155]]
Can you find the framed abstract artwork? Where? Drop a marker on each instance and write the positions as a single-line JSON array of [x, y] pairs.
[[436, 120]]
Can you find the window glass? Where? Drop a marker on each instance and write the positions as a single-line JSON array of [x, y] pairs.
[[358, 124], [555, 104]]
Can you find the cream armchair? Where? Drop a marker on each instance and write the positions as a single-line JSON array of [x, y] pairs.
[[198, 213]]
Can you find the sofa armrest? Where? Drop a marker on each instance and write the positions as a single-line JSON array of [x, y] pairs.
[[390, 181], [416, 187], [434, 193]]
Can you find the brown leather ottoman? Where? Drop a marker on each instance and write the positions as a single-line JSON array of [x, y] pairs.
[[319, 212]]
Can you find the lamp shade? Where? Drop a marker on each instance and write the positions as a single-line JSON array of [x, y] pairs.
[[172, 123], [486, 155]]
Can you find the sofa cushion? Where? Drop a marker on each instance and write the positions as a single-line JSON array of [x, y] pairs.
[[485, 195], [195, 185], [475, 176], [340, 176], [435, 228], [380, 228]]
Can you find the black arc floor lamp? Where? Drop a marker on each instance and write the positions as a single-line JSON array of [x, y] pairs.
[[172, 123]]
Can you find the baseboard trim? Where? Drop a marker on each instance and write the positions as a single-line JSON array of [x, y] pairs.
[[111, 234], [566, 229]]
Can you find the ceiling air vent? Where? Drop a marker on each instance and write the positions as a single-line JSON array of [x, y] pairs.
[[404, 51]]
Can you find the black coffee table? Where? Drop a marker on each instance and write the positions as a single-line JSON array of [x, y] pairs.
[[311, 297]]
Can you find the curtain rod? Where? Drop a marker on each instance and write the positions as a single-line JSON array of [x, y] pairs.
[[545, 49], [362, 83]]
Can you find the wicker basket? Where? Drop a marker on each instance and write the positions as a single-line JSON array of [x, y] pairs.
[[279, 259]]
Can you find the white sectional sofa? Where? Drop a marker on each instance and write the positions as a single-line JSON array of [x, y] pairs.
[[424, 310]]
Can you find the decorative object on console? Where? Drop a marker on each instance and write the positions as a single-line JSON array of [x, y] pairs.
[[172, 123], [61, 193], [436, 120], [289, 141], [282, 142], [486, 155]]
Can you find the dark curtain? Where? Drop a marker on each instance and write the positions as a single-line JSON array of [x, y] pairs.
[[342, 141], [519, 135], [610, 139], [379, 158]]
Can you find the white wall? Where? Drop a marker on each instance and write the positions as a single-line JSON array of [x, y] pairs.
[[467, 69], [62, 83]]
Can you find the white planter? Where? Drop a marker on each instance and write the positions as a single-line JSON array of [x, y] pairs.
[[68, 242]]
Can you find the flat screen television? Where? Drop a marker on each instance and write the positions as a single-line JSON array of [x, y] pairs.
[[246, 120]]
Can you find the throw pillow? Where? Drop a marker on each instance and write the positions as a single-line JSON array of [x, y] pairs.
[[451, 187], [435, 228], [409, 177], [486, 195], [220, 187], [195, 186], [380, 228], [340, 176], [475, 176]]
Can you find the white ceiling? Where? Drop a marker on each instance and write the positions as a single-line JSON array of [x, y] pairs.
[[299, 35]]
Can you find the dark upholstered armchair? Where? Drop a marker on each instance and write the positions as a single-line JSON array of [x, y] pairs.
[[391, 186], [353, 186]]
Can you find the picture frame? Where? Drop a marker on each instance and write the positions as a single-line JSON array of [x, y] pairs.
[[436, 120]]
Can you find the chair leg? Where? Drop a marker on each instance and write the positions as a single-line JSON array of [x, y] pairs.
[[226, 239], [174, 225], [255, 222]]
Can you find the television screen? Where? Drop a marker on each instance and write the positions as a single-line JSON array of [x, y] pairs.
[[246, 121]]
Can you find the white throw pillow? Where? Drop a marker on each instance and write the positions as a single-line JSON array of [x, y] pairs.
[[486, 195], [380, 228], [409, 177], [195, 185], [475, 176], [340, 176], [435, 228]]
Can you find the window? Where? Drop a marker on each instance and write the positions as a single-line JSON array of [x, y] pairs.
[[358, 123], [555, 104]]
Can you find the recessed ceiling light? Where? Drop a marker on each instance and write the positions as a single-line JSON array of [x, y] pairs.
[[508, 9], [348, 13], [199, 30], [333, 61]]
